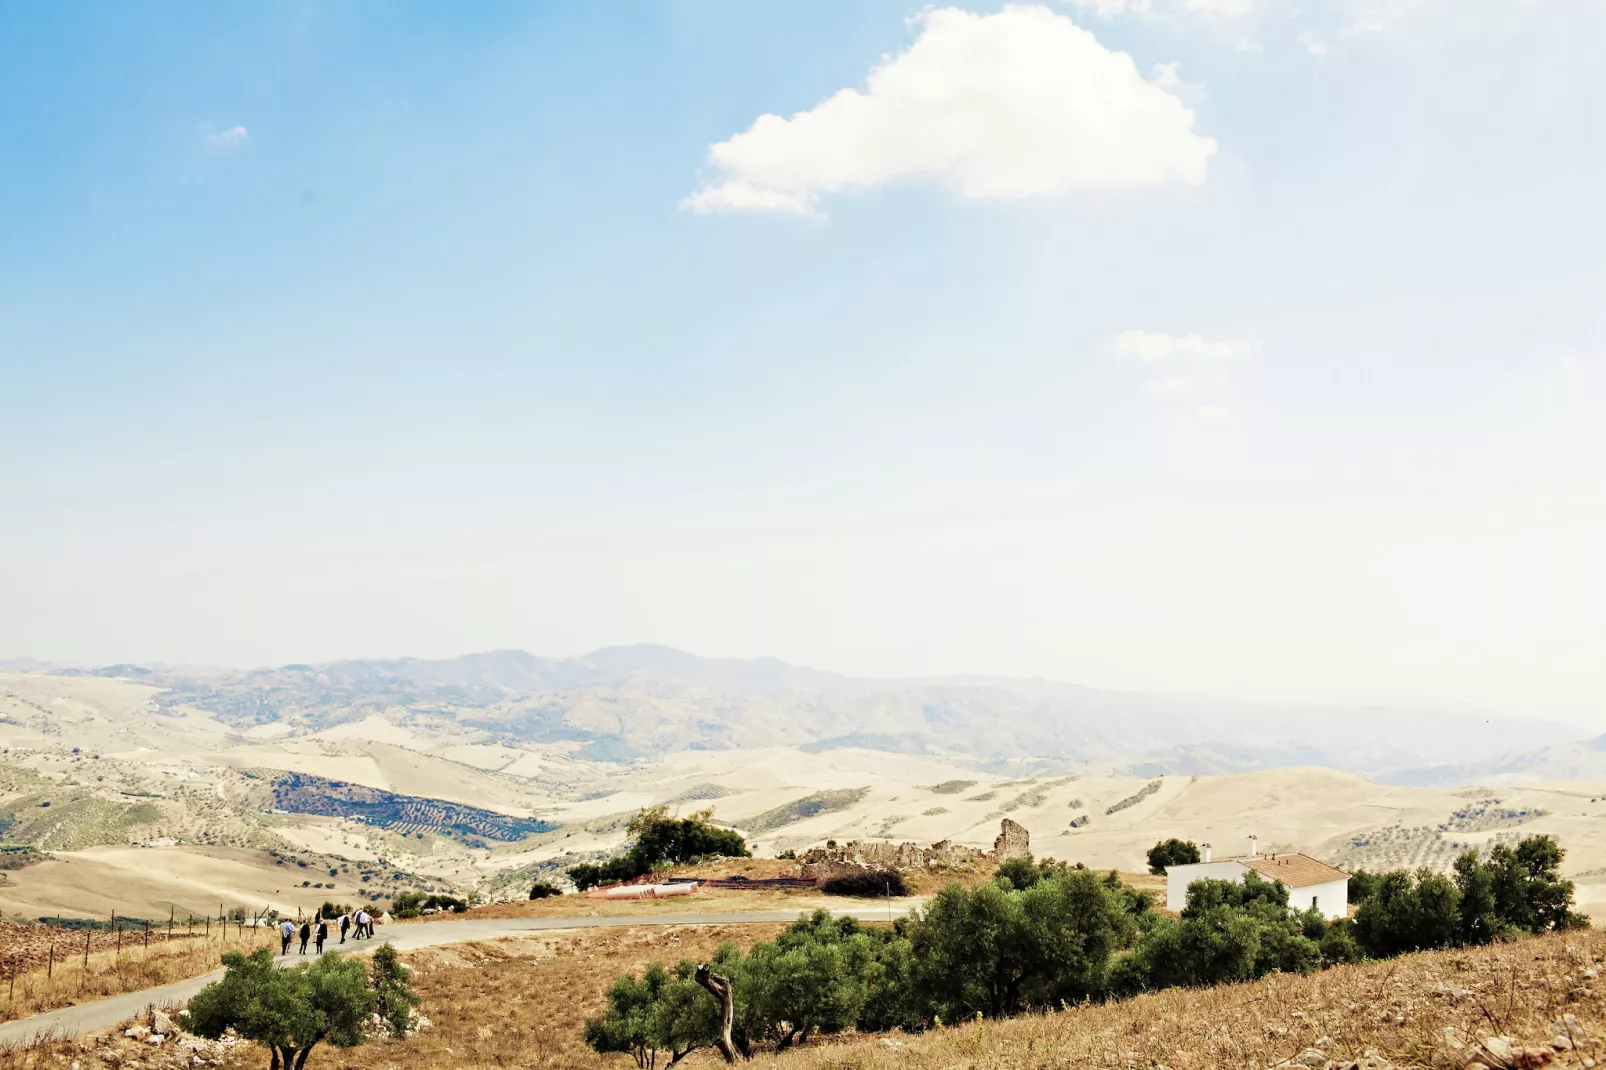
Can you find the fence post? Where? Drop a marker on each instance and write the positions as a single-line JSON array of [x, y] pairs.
[[170, 909], [50, 970], [87, 932], [11, 997], [147, 938]]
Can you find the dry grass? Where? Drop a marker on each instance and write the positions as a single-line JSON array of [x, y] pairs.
[[111, 971]]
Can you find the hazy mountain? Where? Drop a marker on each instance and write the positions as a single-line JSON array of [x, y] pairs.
[[1576, 760], [646, 699]]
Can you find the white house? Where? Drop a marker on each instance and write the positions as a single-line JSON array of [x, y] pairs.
[[1310, 883]]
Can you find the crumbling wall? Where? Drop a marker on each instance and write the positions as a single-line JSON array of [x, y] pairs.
[[859, 856], [1013, 841]]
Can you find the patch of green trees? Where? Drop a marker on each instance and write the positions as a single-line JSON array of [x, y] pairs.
[[1046, 935], [1511, 892], [660, 840], [411, 904], [291, 1011]]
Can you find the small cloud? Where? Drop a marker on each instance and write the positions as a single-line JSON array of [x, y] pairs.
[[1156, 347], [1165, 75], [232, 138], [1313, 44], [1246, 45], [746, 197], [1212, 413]]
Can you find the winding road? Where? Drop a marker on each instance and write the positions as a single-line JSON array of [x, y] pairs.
[[105, 1013]]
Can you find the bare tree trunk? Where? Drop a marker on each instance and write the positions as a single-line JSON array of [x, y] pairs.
[[720, 988]]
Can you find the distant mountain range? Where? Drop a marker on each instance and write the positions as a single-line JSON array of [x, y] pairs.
[[632, 701]]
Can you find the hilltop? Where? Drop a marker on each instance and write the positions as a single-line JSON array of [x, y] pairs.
[[636, 701]]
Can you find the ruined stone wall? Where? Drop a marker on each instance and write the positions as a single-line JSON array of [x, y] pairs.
[[1013, 841], [859, 856]]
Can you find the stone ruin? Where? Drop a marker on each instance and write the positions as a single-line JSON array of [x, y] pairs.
[[1013, 841], [860, 856]]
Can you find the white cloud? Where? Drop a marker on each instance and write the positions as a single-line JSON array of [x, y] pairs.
[[1155, 347], [1212, 413], [232, 138], [1313, 44], [1022, 103], [1165, 75], [1106, 9], [1222, 9]]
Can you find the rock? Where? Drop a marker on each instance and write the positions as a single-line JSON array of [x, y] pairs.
[[137, 1032], [1312, 1057], [161, 1023]]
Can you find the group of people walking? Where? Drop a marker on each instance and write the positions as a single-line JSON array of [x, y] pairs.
[[360, 924]]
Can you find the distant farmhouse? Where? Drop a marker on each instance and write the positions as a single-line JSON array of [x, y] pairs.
[[1310, 883]]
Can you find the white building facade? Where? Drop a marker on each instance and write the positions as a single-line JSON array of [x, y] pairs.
[[1310, 883]]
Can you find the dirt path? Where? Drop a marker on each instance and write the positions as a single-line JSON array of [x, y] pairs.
[[105, 1013]]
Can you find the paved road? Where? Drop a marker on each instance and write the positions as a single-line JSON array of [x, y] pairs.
[[105, 1013]]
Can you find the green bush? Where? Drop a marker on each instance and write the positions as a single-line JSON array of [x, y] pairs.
[[288, 1011], [544, 890], [411, 904], [662, 840], [1172, 852], [394, 998]]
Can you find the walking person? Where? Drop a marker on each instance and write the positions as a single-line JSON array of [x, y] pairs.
[[286, 931], [306, 934], [345, 923], [362, 922], [321, 933]]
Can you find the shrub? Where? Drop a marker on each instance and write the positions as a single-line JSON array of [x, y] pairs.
[[544, 890], [661, 840], [394, 998], [411, 904], [660, 1011], [288, 1011], [870, 884], [1172, 852]]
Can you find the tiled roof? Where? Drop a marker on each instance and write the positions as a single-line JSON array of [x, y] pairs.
[[1294, 870]]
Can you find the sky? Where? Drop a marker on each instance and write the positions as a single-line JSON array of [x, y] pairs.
[[1248, 347]]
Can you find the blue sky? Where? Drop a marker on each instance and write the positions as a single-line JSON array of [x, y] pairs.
[[1228, 345]]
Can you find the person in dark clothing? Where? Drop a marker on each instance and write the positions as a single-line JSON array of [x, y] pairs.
[[306, 934], [286, 931], [321, 933], [345, 923]]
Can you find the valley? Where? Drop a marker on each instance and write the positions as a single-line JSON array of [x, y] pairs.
[[145, 791]]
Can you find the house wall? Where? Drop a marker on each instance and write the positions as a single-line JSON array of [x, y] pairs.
[[1177, 879], [1332, 898]]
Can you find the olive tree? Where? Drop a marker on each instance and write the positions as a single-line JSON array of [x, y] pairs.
[[288, 1011]]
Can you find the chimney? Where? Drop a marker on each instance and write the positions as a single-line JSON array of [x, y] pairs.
[[1251, 846], [1204, 852]]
